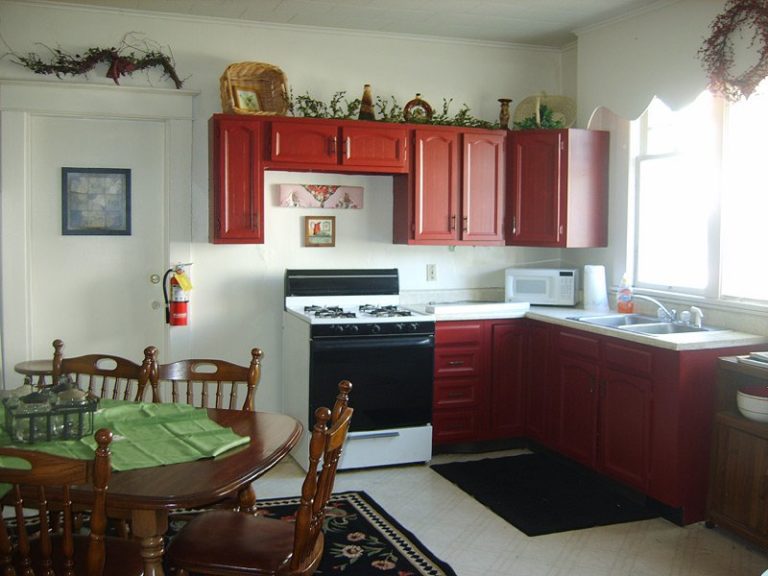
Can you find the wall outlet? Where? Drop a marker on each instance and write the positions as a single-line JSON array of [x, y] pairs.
[[431, 272]]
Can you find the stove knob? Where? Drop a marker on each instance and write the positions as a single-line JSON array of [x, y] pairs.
[[399, 327], [375, 329], [413, 326], [338, 328], [353, 328]]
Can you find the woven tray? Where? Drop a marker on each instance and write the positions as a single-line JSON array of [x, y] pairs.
[[253, 88]]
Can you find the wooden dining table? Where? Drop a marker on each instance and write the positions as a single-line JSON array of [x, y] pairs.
[[147, 495]]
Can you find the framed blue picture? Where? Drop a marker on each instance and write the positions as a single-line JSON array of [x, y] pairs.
[[96, 201]]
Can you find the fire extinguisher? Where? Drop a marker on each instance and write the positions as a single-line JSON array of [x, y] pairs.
[[177, 306]]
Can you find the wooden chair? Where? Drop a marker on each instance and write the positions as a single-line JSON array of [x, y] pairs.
[[224, 542], [104, 375], [206, 383], [45, 485]]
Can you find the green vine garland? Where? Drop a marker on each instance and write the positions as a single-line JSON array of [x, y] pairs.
[[387, 110], [122, 60], [717, 53]]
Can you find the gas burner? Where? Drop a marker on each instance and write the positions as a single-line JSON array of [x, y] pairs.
[[328, 312], [387, 311]]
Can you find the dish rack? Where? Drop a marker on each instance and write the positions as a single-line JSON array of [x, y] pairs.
[[253, 88]]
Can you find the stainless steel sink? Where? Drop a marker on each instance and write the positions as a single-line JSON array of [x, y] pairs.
[[617, 320], [664, 328]]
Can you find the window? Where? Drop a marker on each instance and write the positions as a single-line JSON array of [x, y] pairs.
[[701, 199]]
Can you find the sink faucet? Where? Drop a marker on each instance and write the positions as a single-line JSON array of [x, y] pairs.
[[663, 312], [696, 316]]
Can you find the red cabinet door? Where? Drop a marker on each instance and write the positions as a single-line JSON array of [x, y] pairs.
[[536, 391], [377, 148], [237, 214], [304, 144], [436, 185], [625, 420], [538, 172], [482, 211], [508, 349], [577, 386]]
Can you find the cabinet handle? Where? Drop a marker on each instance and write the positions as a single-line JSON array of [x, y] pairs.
[[464, 224], [332, 145], [514, 225], [456, 363], [452, 223], [346, 147]]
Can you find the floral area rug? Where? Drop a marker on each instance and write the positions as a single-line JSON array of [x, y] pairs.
[[361, 539]]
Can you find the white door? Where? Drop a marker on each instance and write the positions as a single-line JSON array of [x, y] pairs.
[[95, 292]]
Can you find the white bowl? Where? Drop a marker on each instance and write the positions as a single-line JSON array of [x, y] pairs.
[[752, 402]]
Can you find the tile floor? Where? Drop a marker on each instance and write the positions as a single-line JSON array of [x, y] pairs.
[[476, 542]]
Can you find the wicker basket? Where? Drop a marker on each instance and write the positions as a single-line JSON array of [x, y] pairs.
[[253, 88]]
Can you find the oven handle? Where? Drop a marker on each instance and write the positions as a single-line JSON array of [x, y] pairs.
[[369, 435], [371, 342]]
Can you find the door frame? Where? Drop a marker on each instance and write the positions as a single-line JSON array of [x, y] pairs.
[[19, 101]]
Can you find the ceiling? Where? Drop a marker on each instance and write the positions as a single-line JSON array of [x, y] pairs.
[[537, 22]]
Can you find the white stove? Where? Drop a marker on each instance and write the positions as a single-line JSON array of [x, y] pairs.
[[349, 325]]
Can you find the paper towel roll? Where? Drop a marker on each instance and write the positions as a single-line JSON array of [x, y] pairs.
[[595, 291]]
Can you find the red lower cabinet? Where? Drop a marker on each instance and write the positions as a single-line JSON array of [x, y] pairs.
[[478, 390]]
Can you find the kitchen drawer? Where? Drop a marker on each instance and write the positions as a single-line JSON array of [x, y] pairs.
[[456, 392], [454, 426], [458, 362], [628, 357], [578, 344], [464, 333]]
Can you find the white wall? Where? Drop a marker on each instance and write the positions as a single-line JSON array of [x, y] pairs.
[[237, 298]]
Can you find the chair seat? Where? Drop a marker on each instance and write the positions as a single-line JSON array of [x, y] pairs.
[[228, 542]]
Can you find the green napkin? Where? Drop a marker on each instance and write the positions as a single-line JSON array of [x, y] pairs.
[[147, 435]]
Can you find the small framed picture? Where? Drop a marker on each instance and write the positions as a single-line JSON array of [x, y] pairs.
[[246, 98], [320, 231], [96, 201]]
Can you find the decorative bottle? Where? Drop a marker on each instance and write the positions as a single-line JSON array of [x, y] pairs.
[[504, 112], [366, 105], [624, 303]]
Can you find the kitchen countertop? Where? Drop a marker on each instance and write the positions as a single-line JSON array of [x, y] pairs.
[[563, 317]]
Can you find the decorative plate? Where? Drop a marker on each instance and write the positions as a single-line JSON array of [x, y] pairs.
[[417, 110]]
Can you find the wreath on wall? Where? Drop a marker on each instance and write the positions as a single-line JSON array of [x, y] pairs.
[[133, 54], [717, 53]]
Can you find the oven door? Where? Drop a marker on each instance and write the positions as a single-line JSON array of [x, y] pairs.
[[391, 378]]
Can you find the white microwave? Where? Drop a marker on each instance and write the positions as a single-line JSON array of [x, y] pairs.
[[542, 286]]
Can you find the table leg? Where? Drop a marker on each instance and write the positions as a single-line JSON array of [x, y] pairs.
[[149, 526], [247, 499]]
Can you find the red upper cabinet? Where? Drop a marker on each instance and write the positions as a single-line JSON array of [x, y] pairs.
[[482, 205], [337, 145], [455, 191], [308, 143], [558, 188], [436, 185], [237, 199], [376, 146]]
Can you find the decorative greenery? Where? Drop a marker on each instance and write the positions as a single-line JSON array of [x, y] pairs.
[[309, 107], [388, 110], [123, 60], [546, 120], [717, 53]]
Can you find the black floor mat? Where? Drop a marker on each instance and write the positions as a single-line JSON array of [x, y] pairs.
[[541, 494]]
